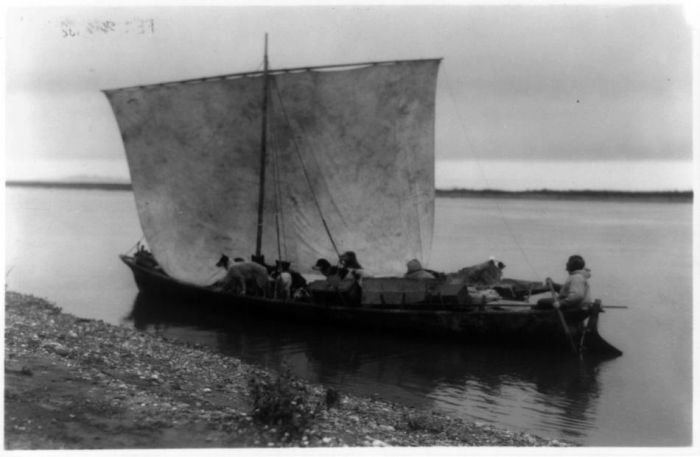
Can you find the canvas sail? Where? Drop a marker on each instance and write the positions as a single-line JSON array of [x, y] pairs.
[[351, 148]]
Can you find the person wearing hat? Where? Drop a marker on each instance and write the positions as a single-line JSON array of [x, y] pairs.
[[348, 260], [576, 290], [416, 271]]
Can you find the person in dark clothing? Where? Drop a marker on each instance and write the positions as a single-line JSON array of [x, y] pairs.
[[349, 261]]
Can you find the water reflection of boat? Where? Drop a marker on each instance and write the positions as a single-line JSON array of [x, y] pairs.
[[559, 392], [351, 157]]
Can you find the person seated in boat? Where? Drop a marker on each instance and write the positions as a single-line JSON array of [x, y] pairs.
[[243, 278], [144, 257], [576, 291], [416, 271], [348, 260]]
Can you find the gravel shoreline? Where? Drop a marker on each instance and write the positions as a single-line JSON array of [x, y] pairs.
[[74, 383]]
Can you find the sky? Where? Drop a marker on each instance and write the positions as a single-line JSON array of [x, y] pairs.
[[529, 95]]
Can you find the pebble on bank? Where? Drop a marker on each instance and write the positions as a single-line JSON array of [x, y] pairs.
[[73, 383]]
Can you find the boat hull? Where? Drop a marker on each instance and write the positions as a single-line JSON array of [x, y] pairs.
[[515, 326]]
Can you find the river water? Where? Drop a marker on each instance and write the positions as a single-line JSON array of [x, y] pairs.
[[63, 245]]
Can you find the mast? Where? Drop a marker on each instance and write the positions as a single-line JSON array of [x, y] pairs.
[[263, 157]]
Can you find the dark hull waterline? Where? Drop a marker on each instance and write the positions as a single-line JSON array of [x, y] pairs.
[[505, 325]]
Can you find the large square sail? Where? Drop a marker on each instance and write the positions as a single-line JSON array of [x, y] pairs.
[[350, 153]]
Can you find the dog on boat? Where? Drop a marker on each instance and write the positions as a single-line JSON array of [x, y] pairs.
[[243, 278], [283, 281], [486, 273], [331, 272]]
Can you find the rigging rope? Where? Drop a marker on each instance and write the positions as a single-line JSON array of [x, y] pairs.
[[485, 179], [306, 173]]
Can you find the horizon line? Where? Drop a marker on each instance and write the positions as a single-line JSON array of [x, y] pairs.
[[121, 185]]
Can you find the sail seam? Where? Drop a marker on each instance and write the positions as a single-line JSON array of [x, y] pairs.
[[259, 73]]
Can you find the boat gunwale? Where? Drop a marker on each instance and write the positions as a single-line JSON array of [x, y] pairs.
[[485, 309]]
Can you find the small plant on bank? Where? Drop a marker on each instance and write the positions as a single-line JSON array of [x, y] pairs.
[[422, 422], [284, 404]]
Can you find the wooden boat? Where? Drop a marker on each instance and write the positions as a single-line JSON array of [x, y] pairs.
[[501, 322], [299, 162]]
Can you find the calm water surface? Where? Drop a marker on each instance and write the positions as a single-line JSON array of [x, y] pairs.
[[63, 245]]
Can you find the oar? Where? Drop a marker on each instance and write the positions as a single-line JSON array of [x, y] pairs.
[[509, 304], [561, 316]]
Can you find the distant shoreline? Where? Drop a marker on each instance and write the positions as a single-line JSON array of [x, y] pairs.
[[542, 194], [70, 185], [545, 194]]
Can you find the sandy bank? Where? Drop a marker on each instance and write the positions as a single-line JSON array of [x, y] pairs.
[[78, 383]]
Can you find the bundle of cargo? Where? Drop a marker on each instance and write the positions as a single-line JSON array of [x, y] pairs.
[[411, 293], [344, 291]]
